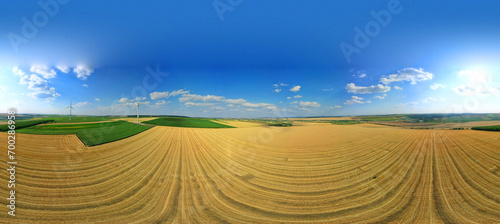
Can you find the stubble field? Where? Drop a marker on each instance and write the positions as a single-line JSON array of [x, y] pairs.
[[311, 173]]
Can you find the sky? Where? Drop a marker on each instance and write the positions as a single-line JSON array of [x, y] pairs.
[[244, 58]]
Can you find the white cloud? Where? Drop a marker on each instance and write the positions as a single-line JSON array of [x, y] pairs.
[[166, 94], [44, 71], [295, 89], [251, 109], [476, 90], [289, 98], [355, 100], [436, 86], [18, 72], [235, 101], [277, 90], [159, 95], [331, 89], [381, 97], [408, 74], [352, 88], [2, 89], [85, 85], [37, 84], [123, 100], [257, 104], [97, 99], [195, 97], [217, 108], [63, 68], [82, 104], [309, 104], [298, 96], [188, 104], [398, 88], [162, 102], [432, 99], [83, 72], [362, 75]]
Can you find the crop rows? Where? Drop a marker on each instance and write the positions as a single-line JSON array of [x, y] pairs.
[[186, 175]]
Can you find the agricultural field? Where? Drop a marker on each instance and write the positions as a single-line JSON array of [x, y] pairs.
[[187, 122], [323, 173], [90, 133]]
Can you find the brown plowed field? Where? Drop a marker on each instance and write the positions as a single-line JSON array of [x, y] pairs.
[[322, 174]]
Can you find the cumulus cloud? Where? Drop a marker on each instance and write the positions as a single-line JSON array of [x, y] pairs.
[[159, 95], [85, 85], [235, 101], [362, 75], [195, 97], [83, 72], [36, 83], [476, 90], [336, 107], [295, 89], [162, 102], [97, 99], [398, 88], [44, 71], [355, 100], [309, 104], [331, 89], [17, 71], [277, 90], [297, 96], [179, 92], [381, 97], [123, 100], [63, 68], [189, 104], [83, 104], [289, 98], [352, 88], [436, 86], [167, 94], [411, 75]]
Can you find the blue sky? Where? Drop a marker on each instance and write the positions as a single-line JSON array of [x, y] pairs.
[[250, 59]]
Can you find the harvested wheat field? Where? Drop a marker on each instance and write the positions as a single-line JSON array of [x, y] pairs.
[[322, 174]]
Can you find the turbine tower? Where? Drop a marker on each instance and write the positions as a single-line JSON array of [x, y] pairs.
[[138, 103], [113, 112], [70, 107]]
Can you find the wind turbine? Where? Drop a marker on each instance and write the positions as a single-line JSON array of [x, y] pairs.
[[70, 108], [113, 112], [138, 103]]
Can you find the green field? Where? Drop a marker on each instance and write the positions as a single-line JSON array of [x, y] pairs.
[[487, 128], [78, 119], [186, 122], [23, 124], [345, 122], [90, 134]]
